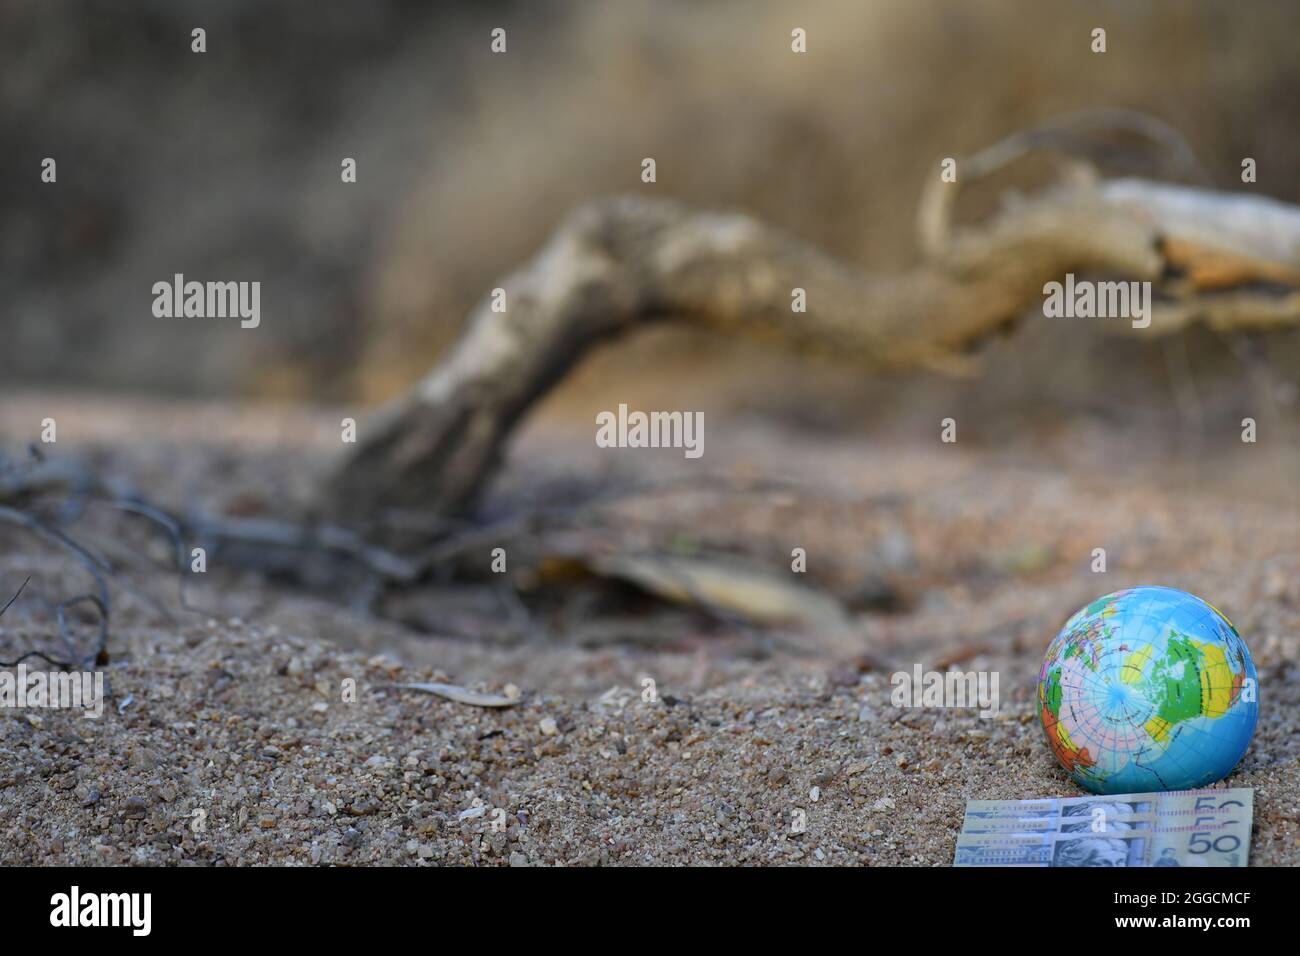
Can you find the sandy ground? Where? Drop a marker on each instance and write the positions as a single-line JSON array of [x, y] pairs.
[[228, 742]]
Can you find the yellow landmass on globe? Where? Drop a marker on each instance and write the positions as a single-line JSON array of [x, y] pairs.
[[1218, 682], [1158, 728], [1063, 736], [1135, 665]]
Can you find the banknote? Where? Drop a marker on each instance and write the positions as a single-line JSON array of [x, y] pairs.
[[1181, 828]]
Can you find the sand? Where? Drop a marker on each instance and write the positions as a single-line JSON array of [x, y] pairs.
[[228, 741]]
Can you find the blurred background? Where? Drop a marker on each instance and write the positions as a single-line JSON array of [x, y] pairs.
[[226, 166]]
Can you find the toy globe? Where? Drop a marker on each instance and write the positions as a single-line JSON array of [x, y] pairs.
[[1148, 689]]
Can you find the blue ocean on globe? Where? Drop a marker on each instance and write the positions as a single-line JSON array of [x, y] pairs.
[[1149, 688]]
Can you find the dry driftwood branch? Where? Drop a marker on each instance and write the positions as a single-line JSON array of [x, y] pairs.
[[617, 264]]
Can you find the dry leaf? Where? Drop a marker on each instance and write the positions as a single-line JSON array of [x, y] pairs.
[[755, 595], [463, 695]]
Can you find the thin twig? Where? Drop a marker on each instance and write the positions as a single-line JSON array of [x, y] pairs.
[[173, 529], [57, 536], [21, 587]]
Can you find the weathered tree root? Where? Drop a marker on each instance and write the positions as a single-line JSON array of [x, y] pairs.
[[615, 265]]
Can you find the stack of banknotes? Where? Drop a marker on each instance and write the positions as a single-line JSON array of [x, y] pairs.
[[1181, 828]]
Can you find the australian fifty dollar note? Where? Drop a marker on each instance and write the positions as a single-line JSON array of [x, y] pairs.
[[1180, 828]]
